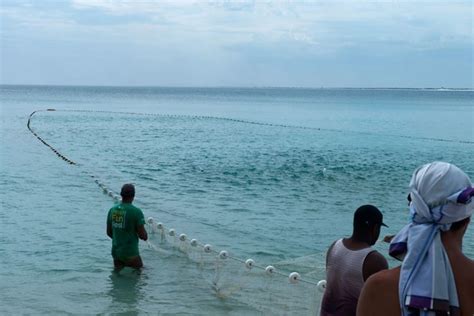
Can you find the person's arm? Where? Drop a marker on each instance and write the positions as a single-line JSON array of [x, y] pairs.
[[109, 226], [388, 238], [141, 232], [373, 263], [109, 230]]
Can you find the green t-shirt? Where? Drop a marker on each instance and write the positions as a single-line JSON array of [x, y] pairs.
[[125, 218]]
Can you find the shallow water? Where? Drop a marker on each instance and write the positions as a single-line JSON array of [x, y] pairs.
[[268, 174]]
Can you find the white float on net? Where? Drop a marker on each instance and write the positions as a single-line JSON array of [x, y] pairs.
[[183, 237], [249, 263], [270, 270], [194, 242], [294, 277], [207, 248], [223, 254], [171, 232], [322, 286]]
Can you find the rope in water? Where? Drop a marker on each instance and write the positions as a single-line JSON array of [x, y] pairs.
[[293, 277], [44, 142], [219, 118]]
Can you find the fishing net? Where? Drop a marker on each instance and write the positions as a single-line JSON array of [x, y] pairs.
[[270, 289]]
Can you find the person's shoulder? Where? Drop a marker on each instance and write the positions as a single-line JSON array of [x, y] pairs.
[[328, 252], [380, 294], [333, 243], [470, 263], [373, 263], [384, 279], [135, 209], [382, 283], [465, 268], [376, 257]]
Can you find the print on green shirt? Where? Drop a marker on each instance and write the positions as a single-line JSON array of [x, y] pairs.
[[118, 216]]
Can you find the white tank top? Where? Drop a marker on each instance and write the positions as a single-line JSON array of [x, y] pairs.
[[345, 280]]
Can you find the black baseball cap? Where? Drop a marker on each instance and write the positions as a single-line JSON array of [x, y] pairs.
[[368, 215]]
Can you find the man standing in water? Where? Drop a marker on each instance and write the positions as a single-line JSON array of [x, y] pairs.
[[435, 277], [125, 224], [350, 261]]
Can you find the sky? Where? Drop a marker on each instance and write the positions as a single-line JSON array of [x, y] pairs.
[[243, 43]]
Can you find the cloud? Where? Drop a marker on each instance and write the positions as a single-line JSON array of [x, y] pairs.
[[325, 25], [267, 35]]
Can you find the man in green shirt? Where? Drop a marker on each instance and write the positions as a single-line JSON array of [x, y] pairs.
[[125, 224]]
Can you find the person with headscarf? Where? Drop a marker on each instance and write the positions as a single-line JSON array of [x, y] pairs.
[[436, 277]]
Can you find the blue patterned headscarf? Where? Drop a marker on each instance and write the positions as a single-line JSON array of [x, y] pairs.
[[441, 194]]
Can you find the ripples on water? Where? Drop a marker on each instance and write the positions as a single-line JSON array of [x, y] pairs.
[[273, 193]]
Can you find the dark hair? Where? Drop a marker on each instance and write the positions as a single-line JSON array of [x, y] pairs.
[[128, 191], [459, 224]]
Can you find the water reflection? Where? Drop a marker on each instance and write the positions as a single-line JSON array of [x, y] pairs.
[[126, 291]]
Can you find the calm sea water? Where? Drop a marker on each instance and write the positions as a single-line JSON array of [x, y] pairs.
[[268, 174]]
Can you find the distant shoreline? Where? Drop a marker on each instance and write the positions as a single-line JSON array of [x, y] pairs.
[[242, 87]]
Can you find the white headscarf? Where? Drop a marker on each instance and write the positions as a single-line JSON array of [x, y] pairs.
[[441, 194]]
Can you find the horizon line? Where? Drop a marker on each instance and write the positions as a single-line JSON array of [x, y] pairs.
[[239, 87]]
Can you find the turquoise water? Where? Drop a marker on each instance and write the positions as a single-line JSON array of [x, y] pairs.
[[268, 174]]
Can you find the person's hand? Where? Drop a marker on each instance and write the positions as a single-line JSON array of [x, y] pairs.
[[388, 238]]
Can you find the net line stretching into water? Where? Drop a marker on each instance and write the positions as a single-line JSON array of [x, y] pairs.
[[43, 141], [209, 259], [220, 118]]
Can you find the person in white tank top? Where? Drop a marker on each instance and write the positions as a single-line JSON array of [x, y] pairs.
[[350, 261]]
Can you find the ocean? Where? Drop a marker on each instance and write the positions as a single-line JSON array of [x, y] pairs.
[[268, 174]]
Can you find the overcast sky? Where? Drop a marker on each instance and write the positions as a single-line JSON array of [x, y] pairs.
[[238, 43]]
